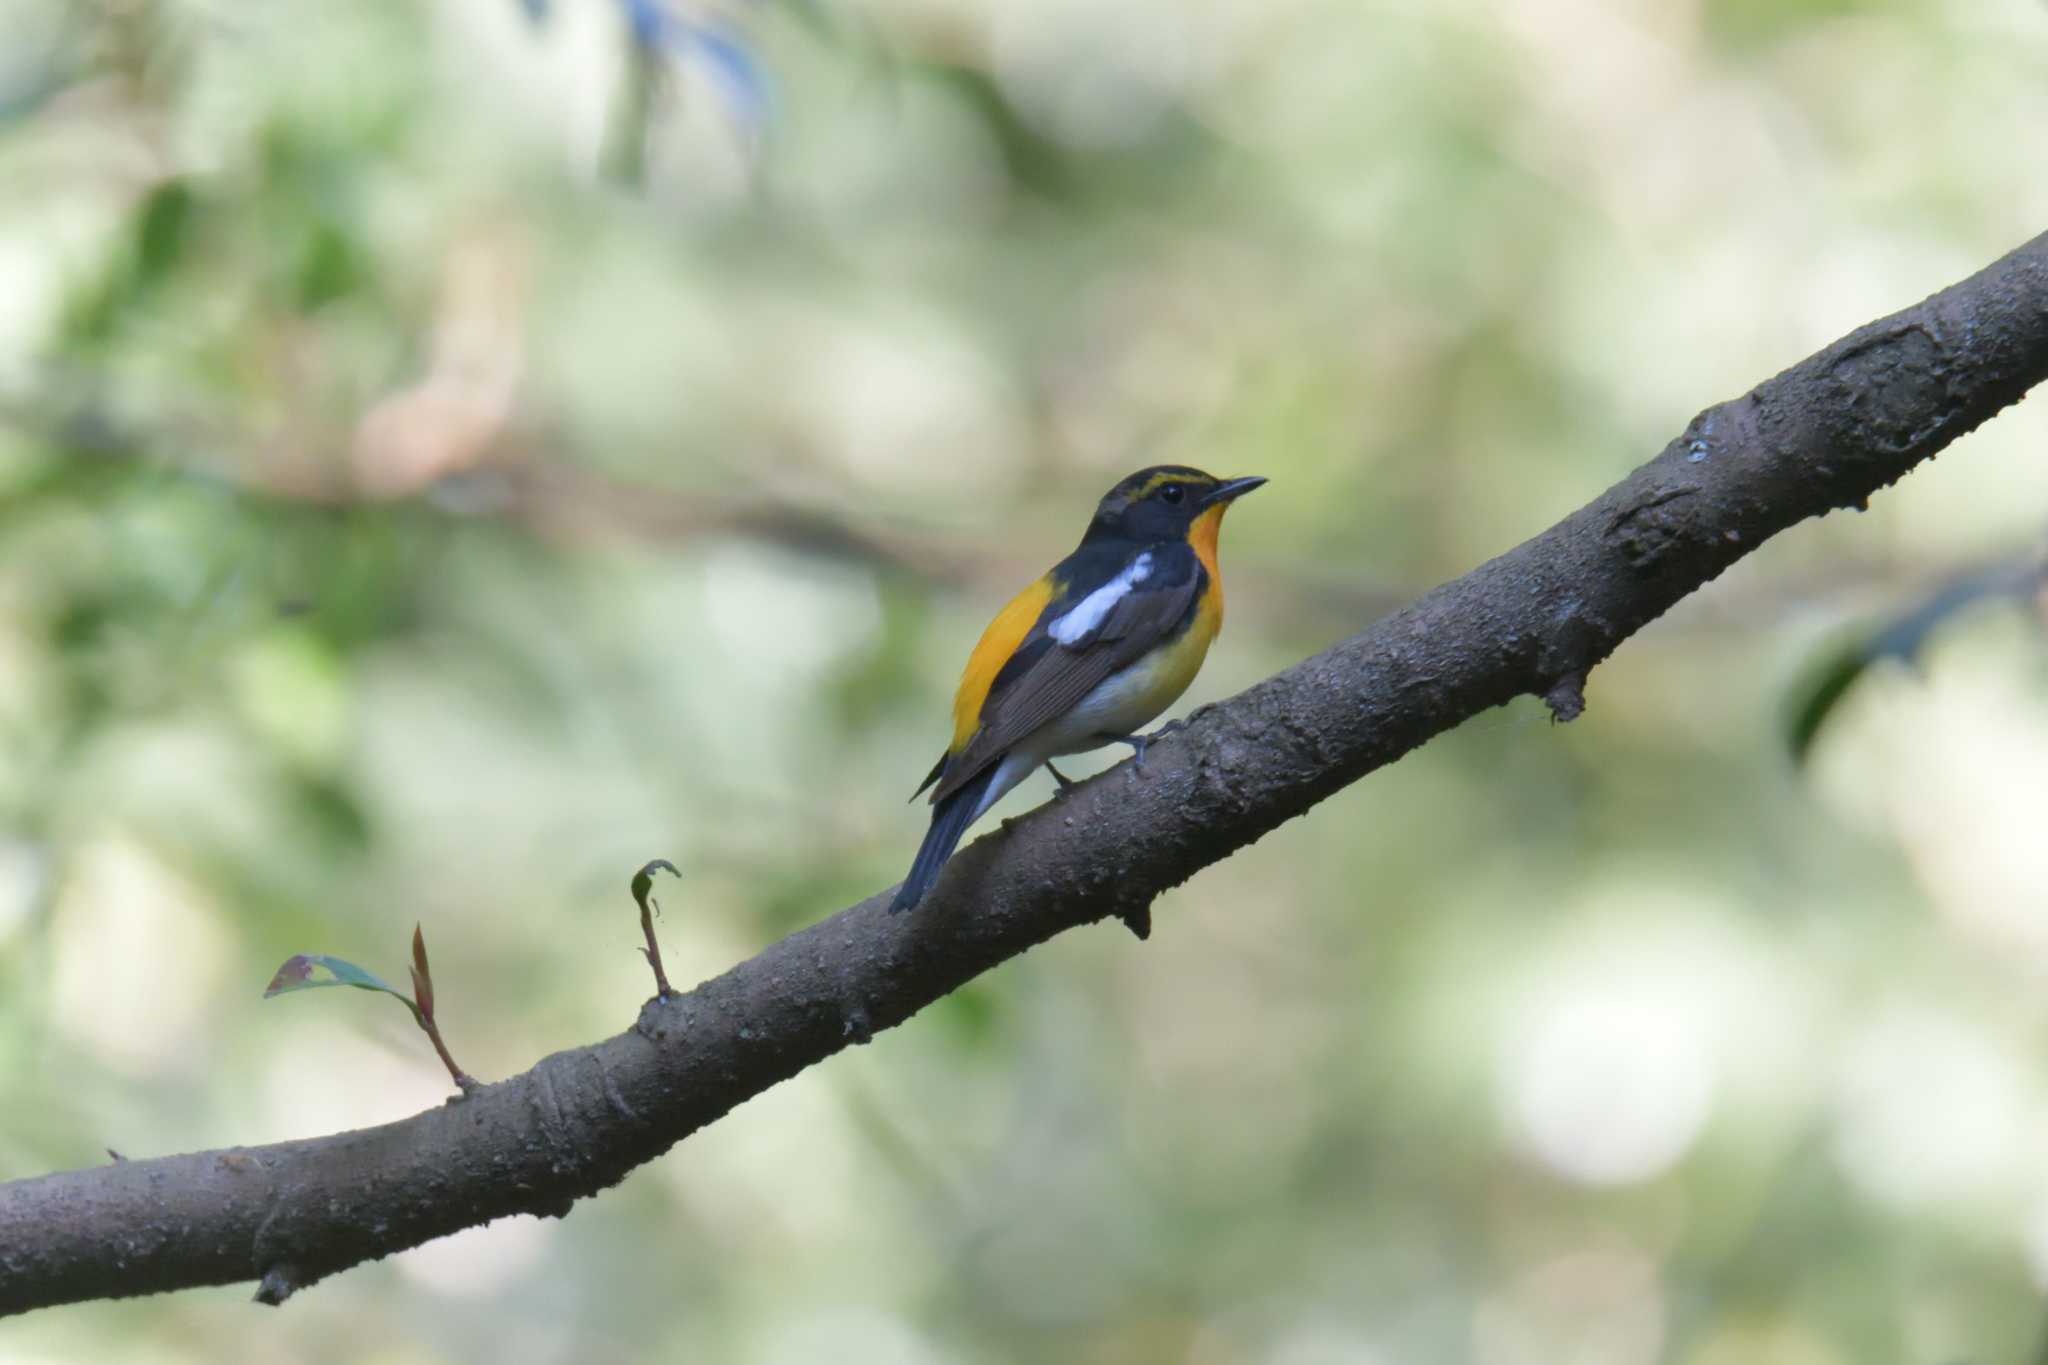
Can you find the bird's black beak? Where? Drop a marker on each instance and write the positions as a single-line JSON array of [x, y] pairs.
[[1230, 489]]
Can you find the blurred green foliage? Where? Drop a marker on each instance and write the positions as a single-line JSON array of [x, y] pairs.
[[410, 510], [1904, 637]]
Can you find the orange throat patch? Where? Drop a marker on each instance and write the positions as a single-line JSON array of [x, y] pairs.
[[1202, 537]]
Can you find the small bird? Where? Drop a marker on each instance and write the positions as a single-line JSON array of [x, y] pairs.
[[1087, 655]]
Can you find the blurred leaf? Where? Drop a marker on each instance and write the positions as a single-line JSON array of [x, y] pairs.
[[657, 34], [161, 233], [1036, 163], [632, 117], [1901, 639], [649, 22], [1820, 694], [158, 241], [870, 684], [80, 623], [334, 811], [735, 70], [968, 1015], [329, 267], [1764, 23]]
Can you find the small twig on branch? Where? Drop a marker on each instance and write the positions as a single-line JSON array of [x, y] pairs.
[[1826, 433], [301, 972], [643, 892], [423, 1011]]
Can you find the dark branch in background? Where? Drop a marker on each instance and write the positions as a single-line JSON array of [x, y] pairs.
[[1825, 434], [566, 503]]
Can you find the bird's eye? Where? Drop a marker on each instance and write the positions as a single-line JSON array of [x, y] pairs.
[[1173, 492]]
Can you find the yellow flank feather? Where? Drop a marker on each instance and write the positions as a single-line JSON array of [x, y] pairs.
[[991, 652]]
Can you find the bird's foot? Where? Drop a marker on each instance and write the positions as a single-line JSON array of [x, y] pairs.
[[1140, 743]]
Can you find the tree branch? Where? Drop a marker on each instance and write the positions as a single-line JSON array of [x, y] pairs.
[[1824, 434]]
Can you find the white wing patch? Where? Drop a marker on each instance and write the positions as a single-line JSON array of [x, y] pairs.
[[1085, 617]]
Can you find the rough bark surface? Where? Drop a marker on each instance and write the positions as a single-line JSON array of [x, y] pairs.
[[1826, 433]]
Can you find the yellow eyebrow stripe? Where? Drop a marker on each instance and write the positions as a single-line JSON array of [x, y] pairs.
[[1146, 489], [991, 652]]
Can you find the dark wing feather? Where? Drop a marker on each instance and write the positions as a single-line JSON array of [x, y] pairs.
[[1045, 679], [938, 771]]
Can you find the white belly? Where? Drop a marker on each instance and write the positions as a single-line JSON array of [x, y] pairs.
[[1121, 704]]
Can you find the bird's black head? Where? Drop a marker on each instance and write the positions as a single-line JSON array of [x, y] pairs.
[[1162, 502]]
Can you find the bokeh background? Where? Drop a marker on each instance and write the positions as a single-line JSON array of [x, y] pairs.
[[453, 453]]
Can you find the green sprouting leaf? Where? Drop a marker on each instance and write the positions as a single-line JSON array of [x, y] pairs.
[[422, 975], [304, 972], [643, 882]]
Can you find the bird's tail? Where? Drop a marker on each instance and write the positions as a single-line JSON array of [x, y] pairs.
[[950, 819]]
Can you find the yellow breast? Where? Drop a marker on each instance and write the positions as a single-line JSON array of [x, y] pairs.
[[1127, 701], [1175, 664]]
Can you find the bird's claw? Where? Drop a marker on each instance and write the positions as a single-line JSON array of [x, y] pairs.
[[1140, 743], [1066, 784]]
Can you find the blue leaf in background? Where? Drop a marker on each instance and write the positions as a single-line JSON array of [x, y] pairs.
[[652, 26], [712, 45], [733, 69]]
